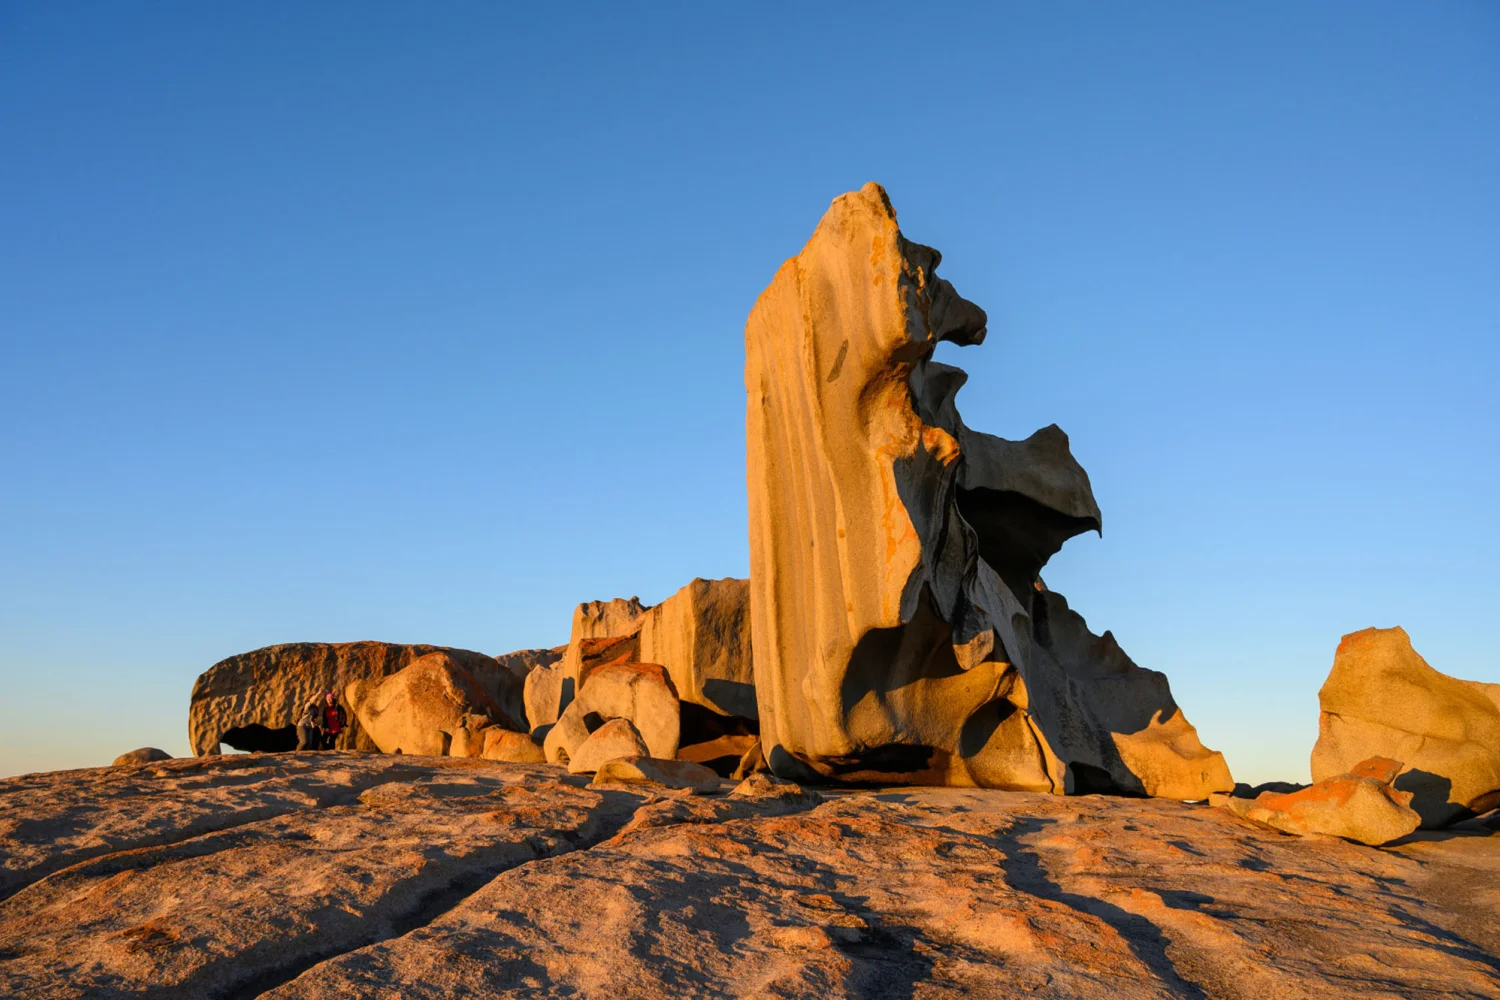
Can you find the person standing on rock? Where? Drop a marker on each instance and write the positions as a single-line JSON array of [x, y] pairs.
[[334, 720], [310, 726]]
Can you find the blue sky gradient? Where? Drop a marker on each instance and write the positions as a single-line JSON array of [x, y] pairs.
[[392, 321]]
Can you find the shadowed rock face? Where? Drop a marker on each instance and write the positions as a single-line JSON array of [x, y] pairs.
[[363, 875], [1381, 698], [899, 631], [252, 701]]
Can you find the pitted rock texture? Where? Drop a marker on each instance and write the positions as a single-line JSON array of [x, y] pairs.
[[252, 701], [1381, 698], [899, 626], [353, 875], [1361, 806]]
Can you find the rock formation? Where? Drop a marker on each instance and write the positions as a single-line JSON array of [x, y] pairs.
[[1382, 699], [432, 707], [899, 631], [614, 740], [145, 755], [515, 748], [641, 693], [1360, 805], [655, 771], [701, 634], [251, 701]]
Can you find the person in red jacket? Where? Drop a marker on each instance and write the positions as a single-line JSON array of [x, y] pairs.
[[334, 720]]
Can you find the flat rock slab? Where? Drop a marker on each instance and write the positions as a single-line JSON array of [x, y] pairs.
[[352, 875]]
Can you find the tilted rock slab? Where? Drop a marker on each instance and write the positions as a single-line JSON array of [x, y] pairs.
[[1382, 699], [1361, 806], [431, 707], [359, 875], [701, 634], [252, 701], [897, 631], [614, 740]]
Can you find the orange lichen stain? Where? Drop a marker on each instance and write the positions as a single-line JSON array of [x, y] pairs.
[[940, 444], [1381, 769]]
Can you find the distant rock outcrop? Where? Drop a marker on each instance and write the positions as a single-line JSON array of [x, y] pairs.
[[899, 631], [252, 701], [432, 707], [145, 755], [1382, 699], [641, 693]]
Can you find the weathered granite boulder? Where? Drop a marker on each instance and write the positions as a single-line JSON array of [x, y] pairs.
[[1382, 699], [899, 634], [251, 701], [514, 748], [145, 755], [432, 707], [653, 770], [701, 634], [639, 692], [615, 739], [549, 689], [1361, 805]]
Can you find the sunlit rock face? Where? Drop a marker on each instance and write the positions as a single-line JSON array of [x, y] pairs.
[[900, 630]]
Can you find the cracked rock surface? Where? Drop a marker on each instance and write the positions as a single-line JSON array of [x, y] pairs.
[[359, 875]]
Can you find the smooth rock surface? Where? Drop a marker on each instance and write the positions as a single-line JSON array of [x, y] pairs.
[[701, 634], [252, 701], [640, 692], [1361, 806], [1382, 699], [669, 773], [516, 748], [145, 755], [615, 739], [899, 626], [431, 707], [350, 875]]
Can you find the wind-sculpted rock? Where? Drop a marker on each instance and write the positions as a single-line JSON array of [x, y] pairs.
[[432, 707], [513, 748], [615, 739], [701, 634], [252, 701], [1382, 699], [641, 693], [550, 689], [607, 619], [1360, 805], [899, 631]]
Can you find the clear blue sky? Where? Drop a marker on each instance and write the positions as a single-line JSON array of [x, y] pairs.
[[424, 322]]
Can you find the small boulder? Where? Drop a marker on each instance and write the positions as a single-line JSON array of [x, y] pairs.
[[514, 748], [671, 773], [1361, 805], [615, 739], [753, 762], [144, 755], [763, 785], [468, 736]]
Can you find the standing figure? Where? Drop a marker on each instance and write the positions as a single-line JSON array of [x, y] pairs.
[[310, 726], [334, 720]]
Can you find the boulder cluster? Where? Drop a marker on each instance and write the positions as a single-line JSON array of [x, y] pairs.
[[895, 628]]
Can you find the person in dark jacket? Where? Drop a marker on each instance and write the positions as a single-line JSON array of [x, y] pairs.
[[310, 726], [334, 720]]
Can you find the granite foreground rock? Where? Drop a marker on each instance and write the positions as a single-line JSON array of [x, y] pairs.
[[1381, 698], [354, 875], [900, 629], [1360, 805]]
